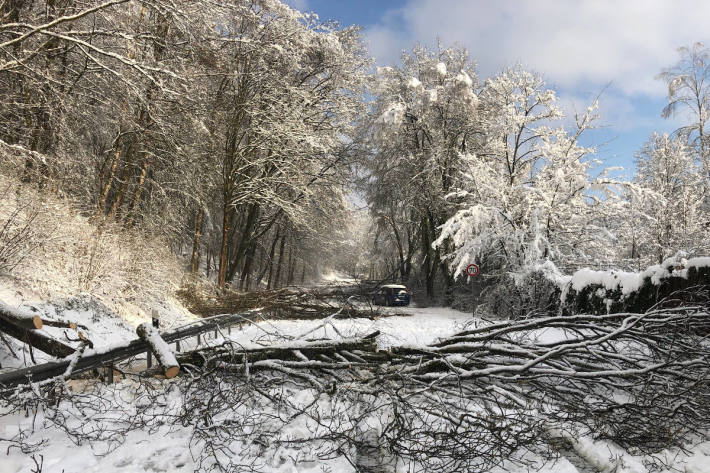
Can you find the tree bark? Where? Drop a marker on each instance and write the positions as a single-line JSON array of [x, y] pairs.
[[36, 339], [246, 270], [125, 177], [195, 260], [291, 267], [21, 318], [145, 165], [226, 226], [247, 239], [268, 262], [269, 284], [277, 278], [108, 182]]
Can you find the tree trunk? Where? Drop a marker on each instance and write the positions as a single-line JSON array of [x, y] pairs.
[[21, 318], [226, 225], [429, 264], [269, 264], [400, 249], [195, 260], [108, 182], [139, 188], [247, 239], [125, 177], [270, 282], [246, 270], [291, 263], [277, 279], [36, 339]]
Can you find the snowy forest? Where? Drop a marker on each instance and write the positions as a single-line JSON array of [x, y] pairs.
[[200, 203]]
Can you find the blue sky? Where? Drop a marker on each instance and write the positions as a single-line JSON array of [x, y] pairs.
[[581, 47]]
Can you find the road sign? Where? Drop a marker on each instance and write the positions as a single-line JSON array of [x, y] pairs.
[[472, 270]]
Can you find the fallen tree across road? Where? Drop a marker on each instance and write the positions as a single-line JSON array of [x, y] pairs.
[[464, 403], [160, 349]]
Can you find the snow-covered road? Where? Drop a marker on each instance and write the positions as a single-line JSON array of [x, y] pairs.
[[421, 327]]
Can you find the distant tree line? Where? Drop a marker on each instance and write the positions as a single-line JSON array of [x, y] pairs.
[[236, 129], [463, 170]]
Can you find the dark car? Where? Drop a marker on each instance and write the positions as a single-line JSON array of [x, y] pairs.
[[392, 294]]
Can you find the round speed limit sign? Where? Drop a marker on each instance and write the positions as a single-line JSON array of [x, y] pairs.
[[473, 270]]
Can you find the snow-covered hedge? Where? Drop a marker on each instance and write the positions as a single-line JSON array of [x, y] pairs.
[[597, 292]]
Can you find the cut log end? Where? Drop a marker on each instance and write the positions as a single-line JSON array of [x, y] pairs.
[[163, 355], [171, 372], [37, 322]]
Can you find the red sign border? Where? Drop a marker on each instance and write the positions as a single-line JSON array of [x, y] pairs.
[[478, 270]]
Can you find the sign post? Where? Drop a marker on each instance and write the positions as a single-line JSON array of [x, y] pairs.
[[472, 270]]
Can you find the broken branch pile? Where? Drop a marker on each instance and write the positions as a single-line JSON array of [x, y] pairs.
[[464, 403], [641, 379], [286, 303]]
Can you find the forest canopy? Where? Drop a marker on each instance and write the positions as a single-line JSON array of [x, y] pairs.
[[246, 134]]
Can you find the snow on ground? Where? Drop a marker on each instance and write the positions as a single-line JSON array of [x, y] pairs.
[[421, 327], [167, 449], [100, 325]]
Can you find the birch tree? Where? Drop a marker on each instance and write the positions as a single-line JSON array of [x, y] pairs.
[[689, 92]]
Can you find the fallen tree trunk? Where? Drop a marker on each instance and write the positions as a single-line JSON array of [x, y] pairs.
[[21, 318], [298, 352], [160, 349], [36, 339], [97, 359], [287, 303]]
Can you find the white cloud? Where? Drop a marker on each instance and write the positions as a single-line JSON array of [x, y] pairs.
[[616, 110], [574, 43], [300, 5]]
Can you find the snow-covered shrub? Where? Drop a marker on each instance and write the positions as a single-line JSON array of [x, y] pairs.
[[600, 292], [65, 252], [516, 296], [18, 237]]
